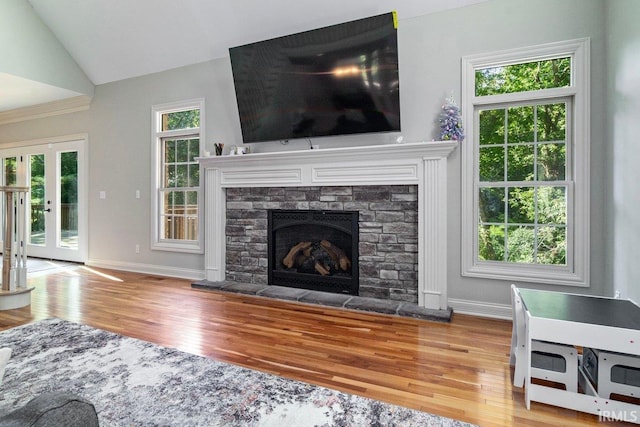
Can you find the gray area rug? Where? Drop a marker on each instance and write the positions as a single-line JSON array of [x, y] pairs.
[[136, 383]]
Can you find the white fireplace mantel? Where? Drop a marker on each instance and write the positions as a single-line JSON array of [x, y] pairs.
[[423, 164]]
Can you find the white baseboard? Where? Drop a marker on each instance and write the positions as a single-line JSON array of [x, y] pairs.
[[482, 309], [157, 270]]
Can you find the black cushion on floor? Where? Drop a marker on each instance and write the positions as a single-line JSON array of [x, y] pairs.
[[53, 410]]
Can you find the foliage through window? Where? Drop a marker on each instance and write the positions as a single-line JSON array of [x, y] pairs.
[[10, 171], [522, 191], [178, 193], [537, 75], [526, 156], [180, 182]]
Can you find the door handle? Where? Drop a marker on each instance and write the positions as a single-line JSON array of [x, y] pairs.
[[48, 210]]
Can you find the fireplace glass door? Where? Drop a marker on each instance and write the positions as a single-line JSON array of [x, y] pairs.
[[315, 250]]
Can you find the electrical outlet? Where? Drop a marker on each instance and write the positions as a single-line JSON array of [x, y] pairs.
[[616, 295], [137, 249]]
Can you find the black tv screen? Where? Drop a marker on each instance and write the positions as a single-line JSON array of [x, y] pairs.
[[337, 80]]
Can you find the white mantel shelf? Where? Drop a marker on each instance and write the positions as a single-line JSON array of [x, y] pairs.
[[422, 163]]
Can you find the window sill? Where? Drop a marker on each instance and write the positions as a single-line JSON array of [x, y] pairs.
[[529, 274], [178, 247]]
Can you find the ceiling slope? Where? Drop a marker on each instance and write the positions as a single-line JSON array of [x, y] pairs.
[[117, 39], [35, 67], [61, 48]]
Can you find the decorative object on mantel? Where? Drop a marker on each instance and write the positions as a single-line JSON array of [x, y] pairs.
[[219, 147], [238, 150], [451, 121]]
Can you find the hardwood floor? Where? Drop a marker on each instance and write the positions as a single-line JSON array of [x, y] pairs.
[[459, 370]]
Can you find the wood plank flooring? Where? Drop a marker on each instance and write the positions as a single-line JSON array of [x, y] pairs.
[[459, 370]]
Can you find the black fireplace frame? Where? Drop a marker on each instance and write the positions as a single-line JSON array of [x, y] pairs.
[[334, 284]]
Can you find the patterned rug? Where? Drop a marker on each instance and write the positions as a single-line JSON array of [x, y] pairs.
[[136, 383]]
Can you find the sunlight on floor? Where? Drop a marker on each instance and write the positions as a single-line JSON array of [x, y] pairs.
[[106, 276], [36, 267]]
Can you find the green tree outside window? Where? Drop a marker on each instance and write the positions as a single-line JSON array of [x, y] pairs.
[[522, 151]]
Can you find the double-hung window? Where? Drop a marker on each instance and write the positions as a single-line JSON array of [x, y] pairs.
[[177, 135], [525, 171]]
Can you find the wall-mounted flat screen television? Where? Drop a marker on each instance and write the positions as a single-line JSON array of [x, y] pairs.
[[337, 80]]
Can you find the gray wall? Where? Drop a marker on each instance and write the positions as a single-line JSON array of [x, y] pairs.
[[439, 41], [623, 150], [431, 47]]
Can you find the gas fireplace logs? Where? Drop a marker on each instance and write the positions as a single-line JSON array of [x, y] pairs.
[[322, 257], [337, 255], [292, 257]]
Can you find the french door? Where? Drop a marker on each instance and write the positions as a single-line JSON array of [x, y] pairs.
[[56, 205]]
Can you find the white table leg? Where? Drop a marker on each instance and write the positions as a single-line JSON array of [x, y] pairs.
[[527, 361]]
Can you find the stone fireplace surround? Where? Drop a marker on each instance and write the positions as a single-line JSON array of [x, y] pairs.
[[388, 217], [423, 165]]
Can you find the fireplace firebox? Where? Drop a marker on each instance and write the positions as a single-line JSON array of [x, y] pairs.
[[315, 250]]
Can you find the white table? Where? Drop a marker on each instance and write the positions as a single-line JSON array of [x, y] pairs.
[[602, 323]]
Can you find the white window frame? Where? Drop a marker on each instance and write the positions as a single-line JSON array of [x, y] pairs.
[[157, 243], [576, 272]]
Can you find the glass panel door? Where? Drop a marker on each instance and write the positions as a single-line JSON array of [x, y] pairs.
[[9, 166], [8, 177], [56, 217], [37, 232], [68, 190]]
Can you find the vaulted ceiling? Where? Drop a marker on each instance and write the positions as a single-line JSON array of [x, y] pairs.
[[112, 40]]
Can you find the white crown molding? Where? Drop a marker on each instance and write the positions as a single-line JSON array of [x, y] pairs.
[[48, 109]]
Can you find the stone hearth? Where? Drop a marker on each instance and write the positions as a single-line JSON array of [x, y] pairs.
[[348, 302], [420, 169]]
